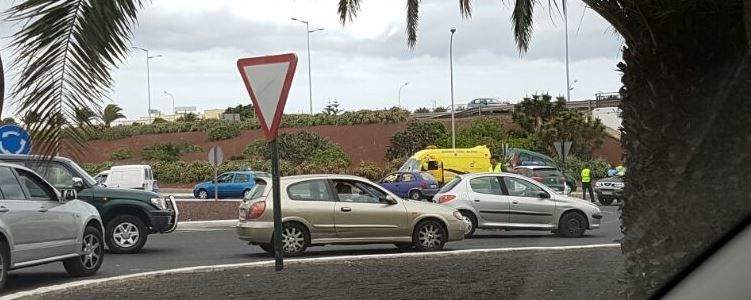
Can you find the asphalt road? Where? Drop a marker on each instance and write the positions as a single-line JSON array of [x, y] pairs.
[[214, 247]]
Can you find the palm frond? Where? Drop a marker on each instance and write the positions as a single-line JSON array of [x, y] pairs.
[[413, 8], [2, 85], [465, 8], [348, 10], [64, 53], [521, 19]]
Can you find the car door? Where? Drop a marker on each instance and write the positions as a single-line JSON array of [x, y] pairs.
[[19, 214], [312, 201], [362, 214], [240, 184], [224, 184], [390, 183], [486, 195], [527, 207], [407, 181]]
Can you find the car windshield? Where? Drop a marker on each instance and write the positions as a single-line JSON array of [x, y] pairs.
[[411, 165], [450, 186], [427, 177], [546, 172], [258, 190]]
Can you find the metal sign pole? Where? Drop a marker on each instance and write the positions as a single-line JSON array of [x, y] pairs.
[[278, 253], [216, 184]]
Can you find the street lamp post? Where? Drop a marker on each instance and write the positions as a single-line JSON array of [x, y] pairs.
[[310, 78], [148, 76], [174, 112], [451, 66], [399, 97], [568, 80]]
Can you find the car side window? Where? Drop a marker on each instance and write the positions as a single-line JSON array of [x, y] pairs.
[[38, 190], [486, 185], [9, 185], [225, 178], [242, 178], [520, 187], [56, 174], [313, 190], [408, 177], [391, 178], [353, 191]]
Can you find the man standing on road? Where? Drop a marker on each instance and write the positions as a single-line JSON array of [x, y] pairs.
[[587, 184], [495, 164]]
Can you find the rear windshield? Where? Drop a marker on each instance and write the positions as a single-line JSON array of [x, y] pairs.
[[449, 186], [427, 177], [546, 173], [258, 190]]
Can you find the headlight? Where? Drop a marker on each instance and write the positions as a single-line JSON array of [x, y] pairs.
[[619, 184], [458, 216], [159, 202]]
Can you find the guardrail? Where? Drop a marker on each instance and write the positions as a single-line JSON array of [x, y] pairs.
[[583, 105]]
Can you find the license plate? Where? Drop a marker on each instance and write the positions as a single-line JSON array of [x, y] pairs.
[[607, 192]]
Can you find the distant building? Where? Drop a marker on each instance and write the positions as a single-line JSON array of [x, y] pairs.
[[213, 113]]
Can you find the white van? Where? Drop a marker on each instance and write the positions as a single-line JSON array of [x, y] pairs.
[[139, 177]]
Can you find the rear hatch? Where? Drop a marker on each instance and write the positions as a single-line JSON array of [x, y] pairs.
[[260, 191], [550, 177]]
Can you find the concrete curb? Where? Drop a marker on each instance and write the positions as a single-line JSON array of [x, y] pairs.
[[269, 263], [212, 224]]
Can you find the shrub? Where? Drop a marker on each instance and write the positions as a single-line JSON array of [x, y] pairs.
[[223, 131], [168, 151], [94, 169], [299, 147], [370, 171], [158, 120], [574, 165], [417, 136], [121, 154]]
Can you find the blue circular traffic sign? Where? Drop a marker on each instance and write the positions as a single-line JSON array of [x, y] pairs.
[[14, 140]]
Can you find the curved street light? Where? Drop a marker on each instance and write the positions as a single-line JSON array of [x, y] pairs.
[[399, 98]]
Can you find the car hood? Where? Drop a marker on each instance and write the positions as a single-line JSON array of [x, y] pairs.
[[429, 207], [579, 203], [611, 179], [123, 193], [200, 184]]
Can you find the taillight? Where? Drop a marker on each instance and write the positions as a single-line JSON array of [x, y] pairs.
[[539, 179], [256, 209], [446, 198]]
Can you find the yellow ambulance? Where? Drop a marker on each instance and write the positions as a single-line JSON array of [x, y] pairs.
[[443, 164]]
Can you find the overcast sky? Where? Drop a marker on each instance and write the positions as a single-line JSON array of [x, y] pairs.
[[363, 63]]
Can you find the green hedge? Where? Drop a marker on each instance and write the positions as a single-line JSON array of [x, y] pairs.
[[574, 165], [223, 131], [300, 147]]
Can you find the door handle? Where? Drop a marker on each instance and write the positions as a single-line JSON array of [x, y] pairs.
[[346, 209], [4, 209], [477, 200], [515, 202], [42, 209]]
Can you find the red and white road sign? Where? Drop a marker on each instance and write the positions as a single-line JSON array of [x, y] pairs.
[[268, 79]]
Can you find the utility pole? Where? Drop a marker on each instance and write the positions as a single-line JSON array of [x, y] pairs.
[[310, 76]]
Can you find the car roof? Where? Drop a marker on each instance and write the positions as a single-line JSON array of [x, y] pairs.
[[536, 167], [34, 157], [323, 176], [15, 166]]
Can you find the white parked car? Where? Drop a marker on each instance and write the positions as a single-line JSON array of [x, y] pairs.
[[138, 177], [38, 226], [514, 202]]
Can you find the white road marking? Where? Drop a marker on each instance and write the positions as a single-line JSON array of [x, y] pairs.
[[269, 263]]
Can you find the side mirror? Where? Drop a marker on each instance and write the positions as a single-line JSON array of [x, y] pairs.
[[77, 184], [543, 195], [390, 200], [69, 195]]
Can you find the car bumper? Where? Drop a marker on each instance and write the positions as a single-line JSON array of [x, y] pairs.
[[429, 193], [456, 230], [255, 232], [594, 220], [165, 221], [609, 193]]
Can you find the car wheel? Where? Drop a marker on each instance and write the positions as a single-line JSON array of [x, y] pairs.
[[267, 247], [4, 263], [92, 253], [429, 235], [405, 246], [415, 195], [126, 234], [572, 224], [606, 201], [471, 222], [203, 194], [246, 194], [295, 239]]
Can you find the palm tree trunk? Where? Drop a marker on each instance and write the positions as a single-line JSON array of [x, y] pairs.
[[686, 133]]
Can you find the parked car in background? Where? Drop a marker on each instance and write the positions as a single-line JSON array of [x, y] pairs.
[[523, 157], [129, 216], [549, 176], [101, 177], [514, 202], [137, 177], [413, 185], [483, 102], [444, 164], [38, 225], [609, 189], [341, 209], [229, 185]]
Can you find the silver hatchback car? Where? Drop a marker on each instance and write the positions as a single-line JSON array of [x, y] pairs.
[[38, 226], [510, 201]]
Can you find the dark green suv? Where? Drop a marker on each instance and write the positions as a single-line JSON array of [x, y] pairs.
[[129, 215]]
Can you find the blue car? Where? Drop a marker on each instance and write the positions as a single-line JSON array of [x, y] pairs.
[[413, 185], [230, 185]]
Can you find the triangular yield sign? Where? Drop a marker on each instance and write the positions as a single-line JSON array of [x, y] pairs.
[[268, 79]]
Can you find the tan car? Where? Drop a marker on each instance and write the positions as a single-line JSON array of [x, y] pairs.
[[339, 209]]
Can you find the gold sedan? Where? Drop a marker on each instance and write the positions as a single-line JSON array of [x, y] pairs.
[[338, 209]]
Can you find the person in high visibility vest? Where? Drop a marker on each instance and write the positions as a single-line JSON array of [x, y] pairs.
[[495, 164], [620, 170], [587, 183]]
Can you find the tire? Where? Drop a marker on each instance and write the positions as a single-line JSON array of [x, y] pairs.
[[203, 194], [429, 235], [246, 194], [4, 263], [93, 254], [606, 201], [295, 239], [405, 246], [269, 248], [472, 220], [415, 195], [572, 224], [126, 234]]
